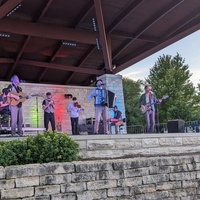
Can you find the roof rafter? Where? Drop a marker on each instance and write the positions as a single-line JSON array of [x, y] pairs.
[[147, 25], [127, 61], [8, 6], [103, 36], [84, 12], [40, 30]]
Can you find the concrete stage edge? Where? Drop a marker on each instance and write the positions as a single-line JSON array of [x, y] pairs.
[[133, 145]]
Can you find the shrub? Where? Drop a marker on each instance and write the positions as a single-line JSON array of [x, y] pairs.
[[47, 147]]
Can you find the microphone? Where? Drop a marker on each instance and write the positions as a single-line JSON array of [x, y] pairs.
[[22, 81]]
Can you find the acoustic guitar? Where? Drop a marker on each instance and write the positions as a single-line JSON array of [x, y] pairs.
[[16, 98], [147, 107]]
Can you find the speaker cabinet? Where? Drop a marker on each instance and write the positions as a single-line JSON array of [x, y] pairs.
[[89, 128], [176, 126], [111, 99]]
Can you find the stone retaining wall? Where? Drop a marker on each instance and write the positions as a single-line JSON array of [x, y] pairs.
[[115, 146], [171, 178]]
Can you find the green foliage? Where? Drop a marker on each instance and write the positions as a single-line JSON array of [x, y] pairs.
[[170, 75], [132, 92], [47, 147]]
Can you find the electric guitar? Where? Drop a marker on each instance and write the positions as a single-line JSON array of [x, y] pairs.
[[15, 98], [144, 109]]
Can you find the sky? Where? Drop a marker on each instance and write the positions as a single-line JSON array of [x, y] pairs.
[[188, 48]]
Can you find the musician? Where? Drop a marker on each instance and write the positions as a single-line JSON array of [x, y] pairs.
[[117, 121], [48, 106], [4, 105], [74, 108], [100, 109], [16, 111], [149, 97]]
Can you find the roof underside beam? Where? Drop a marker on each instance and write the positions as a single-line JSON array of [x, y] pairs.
[[53, 66], [40, 30], [8, 6], [147, 25], [103, 36]]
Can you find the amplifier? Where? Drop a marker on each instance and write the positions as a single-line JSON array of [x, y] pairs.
[[176, 126]]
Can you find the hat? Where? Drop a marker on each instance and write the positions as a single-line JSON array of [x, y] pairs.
[[48, 93]]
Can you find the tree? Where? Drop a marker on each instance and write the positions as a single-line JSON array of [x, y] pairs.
[[132, 92], [170, 75]]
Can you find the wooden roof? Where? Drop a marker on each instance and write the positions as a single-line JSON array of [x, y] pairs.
[[74, 41]]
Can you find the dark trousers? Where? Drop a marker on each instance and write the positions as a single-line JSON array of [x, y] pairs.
[[74, 123], [49, 117]]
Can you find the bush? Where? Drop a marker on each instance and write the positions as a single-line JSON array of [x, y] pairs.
[[47, 147]]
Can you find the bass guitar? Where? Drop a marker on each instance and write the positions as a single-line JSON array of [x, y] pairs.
[[144, 109], [15, 98]]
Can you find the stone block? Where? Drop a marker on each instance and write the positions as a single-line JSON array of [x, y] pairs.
[[58, 168], [143, 189], [38, 198], [55, 179], [154, 195], [168, 185], [17, 193], [159, 151], [190, 140], [47, 190], [180, 193], [100, 144], [115, 174], [136, 172], [136, 143], [190, 184], [123, 145], [150, 142], [166, 141], [24, 170], [91, 195], [159, 169], [82, 144], [129, 182], [73, 187], [155, 178], [92, 166], [7, 184], [179, 168], [131, 163], [81, 177], [178, 141], [69, 196], [131, 152], [27, 181], [102, 184], [2, 172], [119, 191], [183, 176]]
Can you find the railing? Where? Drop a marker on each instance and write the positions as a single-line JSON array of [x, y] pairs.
[[190, 127]]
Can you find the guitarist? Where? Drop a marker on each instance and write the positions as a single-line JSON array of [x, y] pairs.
[[16, 111], [149, 97]]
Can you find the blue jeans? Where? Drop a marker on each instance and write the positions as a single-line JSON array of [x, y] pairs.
[[150, 120]]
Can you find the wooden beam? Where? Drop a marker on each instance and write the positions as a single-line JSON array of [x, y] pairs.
[[84, 12], [8, 6], [60, 67], [149, 49], [40, 30], [147, 25], [124, 13], [103, 36]]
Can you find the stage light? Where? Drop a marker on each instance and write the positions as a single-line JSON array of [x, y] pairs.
[[98, 43], [94, 24], [14, 9], [68, 43], [4, 35]]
